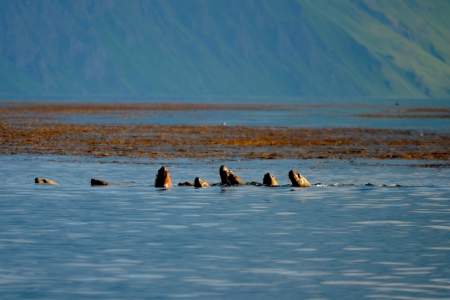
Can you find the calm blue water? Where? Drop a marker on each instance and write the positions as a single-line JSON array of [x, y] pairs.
[[316, 117], [341, 239], [311, 113]]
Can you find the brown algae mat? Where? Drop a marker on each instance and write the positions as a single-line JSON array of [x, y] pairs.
[[410, 113], [31, 129]]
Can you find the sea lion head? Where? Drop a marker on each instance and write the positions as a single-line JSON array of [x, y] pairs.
[[163, 179], [200, 183], [227, 177], [294, 176], [297, 179], [234, 179], [269, 180], [42, 180], [224, 172]]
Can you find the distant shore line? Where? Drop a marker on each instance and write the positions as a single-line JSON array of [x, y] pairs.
[[86, 108], [38, 129], [101, 108], [222, 142]]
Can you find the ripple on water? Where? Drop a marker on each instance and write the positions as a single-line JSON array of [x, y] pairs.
[[395, 287], [410, 271], [385, 222], [132, 241], [206, 225], [196, 295], [218, 257], [356, 273], [222, 283], [285, 272], [173, 227], [145, 277], [439, 248], [286, 213], [439, 227], [351, 248]]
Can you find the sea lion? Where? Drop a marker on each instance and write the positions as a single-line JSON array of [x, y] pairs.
[[42, 180], [298, 180], [234, 179], [163, 179], [223, 173], [227, 177], [269, 180], [200, 183], [98, 182]]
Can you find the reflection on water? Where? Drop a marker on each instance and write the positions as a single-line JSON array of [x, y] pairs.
[[342, 239]]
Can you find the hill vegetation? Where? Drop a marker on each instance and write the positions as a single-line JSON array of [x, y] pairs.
[[225, 48]]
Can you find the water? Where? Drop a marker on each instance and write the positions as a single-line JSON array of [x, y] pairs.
[[310, 117], [341, 239], [307, 113]]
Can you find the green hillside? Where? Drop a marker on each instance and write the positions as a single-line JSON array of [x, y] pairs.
[[225, 48]]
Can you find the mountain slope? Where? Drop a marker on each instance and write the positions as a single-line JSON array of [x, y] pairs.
[[225, 48]]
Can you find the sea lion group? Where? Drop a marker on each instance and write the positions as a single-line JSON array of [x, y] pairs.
[[227, 178]]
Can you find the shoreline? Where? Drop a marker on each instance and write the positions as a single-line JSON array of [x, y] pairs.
[[376, 111], [158, 141], [35, 129]]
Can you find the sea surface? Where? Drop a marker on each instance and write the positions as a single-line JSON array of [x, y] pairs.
[[332, 116], [367, 229], [307, 113]]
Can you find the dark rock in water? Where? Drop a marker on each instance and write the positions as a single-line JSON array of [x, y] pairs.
[[163, 179], [200, 183], [297, 179], [42, 180], [98, 182], [185, 183], [227, 177], [269, 180]]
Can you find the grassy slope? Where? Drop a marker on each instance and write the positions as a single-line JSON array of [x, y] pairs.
[[225, 48], [408, 38]]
